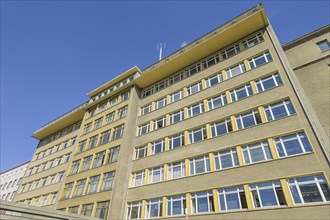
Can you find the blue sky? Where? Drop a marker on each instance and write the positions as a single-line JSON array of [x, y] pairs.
[[54, 52]]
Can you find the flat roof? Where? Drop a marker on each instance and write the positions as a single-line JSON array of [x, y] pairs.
[[323, 30], [237, 28]]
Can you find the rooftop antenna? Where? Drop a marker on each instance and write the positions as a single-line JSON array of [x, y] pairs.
[[160, 48]]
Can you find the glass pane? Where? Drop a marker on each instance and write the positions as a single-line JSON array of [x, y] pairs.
[[310, 193], [202, 204], [295, 195], [232, 201], [176, 208], [226, 161], [326, 191], [292, 147], [257, 154], [222, 203], [200, 166], [268, 198]]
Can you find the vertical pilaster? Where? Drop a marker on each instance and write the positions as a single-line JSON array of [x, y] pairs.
[[286, 192]]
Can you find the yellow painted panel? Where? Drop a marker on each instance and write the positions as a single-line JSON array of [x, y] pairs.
[[272, 148], [248, 196], [287, 194]]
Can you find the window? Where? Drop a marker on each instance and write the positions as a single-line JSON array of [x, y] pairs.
[[118, 132], [146, 109], [43, 181], [194, 88], [86, 163], [138, 178], [74, 209], [279, 110], [235, 70], [176, 205], [160, 123], [199, 165], [323, 45], [51, 163], [88, 127], [81, 146], [193, 70], [141, 152], [253, 41], [67, 190], [176, 78], [217, 101], [230, 51], [160, 86], [241, 92], [122, 112], [102, 107], [220, 128], [176, 117], [249, 119], [176, 141], [202, 202], [160, 103], [93, 142], [36, 183], [43, 200], [60, 176], [226, 159], [176, 170], [12, 196], [102, 210], [53, 198], [157, 147], [232, 198], [59, 160], [52, 179], [292, 144], [156, 174], [267, 194], [50, 150], [211, 61], [98, 123], [12, 185], [110, 117], [197, 135], [260, 60], [309, 189], [108, 181], [99, 159], [67, 158], [113, 154], [195, 109], [147, 92], [87, 209], [176, 96], [105, 137], [268, 82], [92, 184], [36, 171], [214, 80], [143, 129], [125, 96], [256, 152], [73, 140], [57, 147], [154, 208], [113, 101], [134, 210], [80, 187], [75, 166]]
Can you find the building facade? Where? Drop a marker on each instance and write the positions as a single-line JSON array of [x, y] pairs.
[[220, 128], [10, 180]]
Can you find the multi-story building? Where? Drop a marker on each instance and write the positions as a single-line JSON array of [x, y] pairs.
[[10, 180], [312, 70], [220, 128], [49, 164]]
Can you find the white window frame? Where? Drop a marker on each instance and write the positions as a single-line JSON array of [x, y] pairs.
[[233, 156], [163, 101], [274, 77], [280, 143], [195, 88], [252, 113], [193, 132], [214, 130], [240, 67], [270, 108], [179, 113], [246, 88], [172, 139], [199, 106], [257, 188], [223, 192], [221, 97], [172, 169], [228, 52], [133, 205], [175, 94], [262, 56], [206, 161], [146, 127], [176, 78], [138, 178], [218, 78], [214, 59], [263, 145], [194, 201], [156, 174], [158, 202], [159, 123], [155, 144], [250, 42], [192, 70], [176, 198], [142, 149]]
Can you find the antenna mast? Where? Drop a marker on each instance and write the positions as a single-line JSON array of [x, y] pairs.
[[160, 48]]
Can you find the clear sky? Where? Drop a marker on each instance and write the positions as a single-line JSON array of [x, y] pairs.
[[54, 52]]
